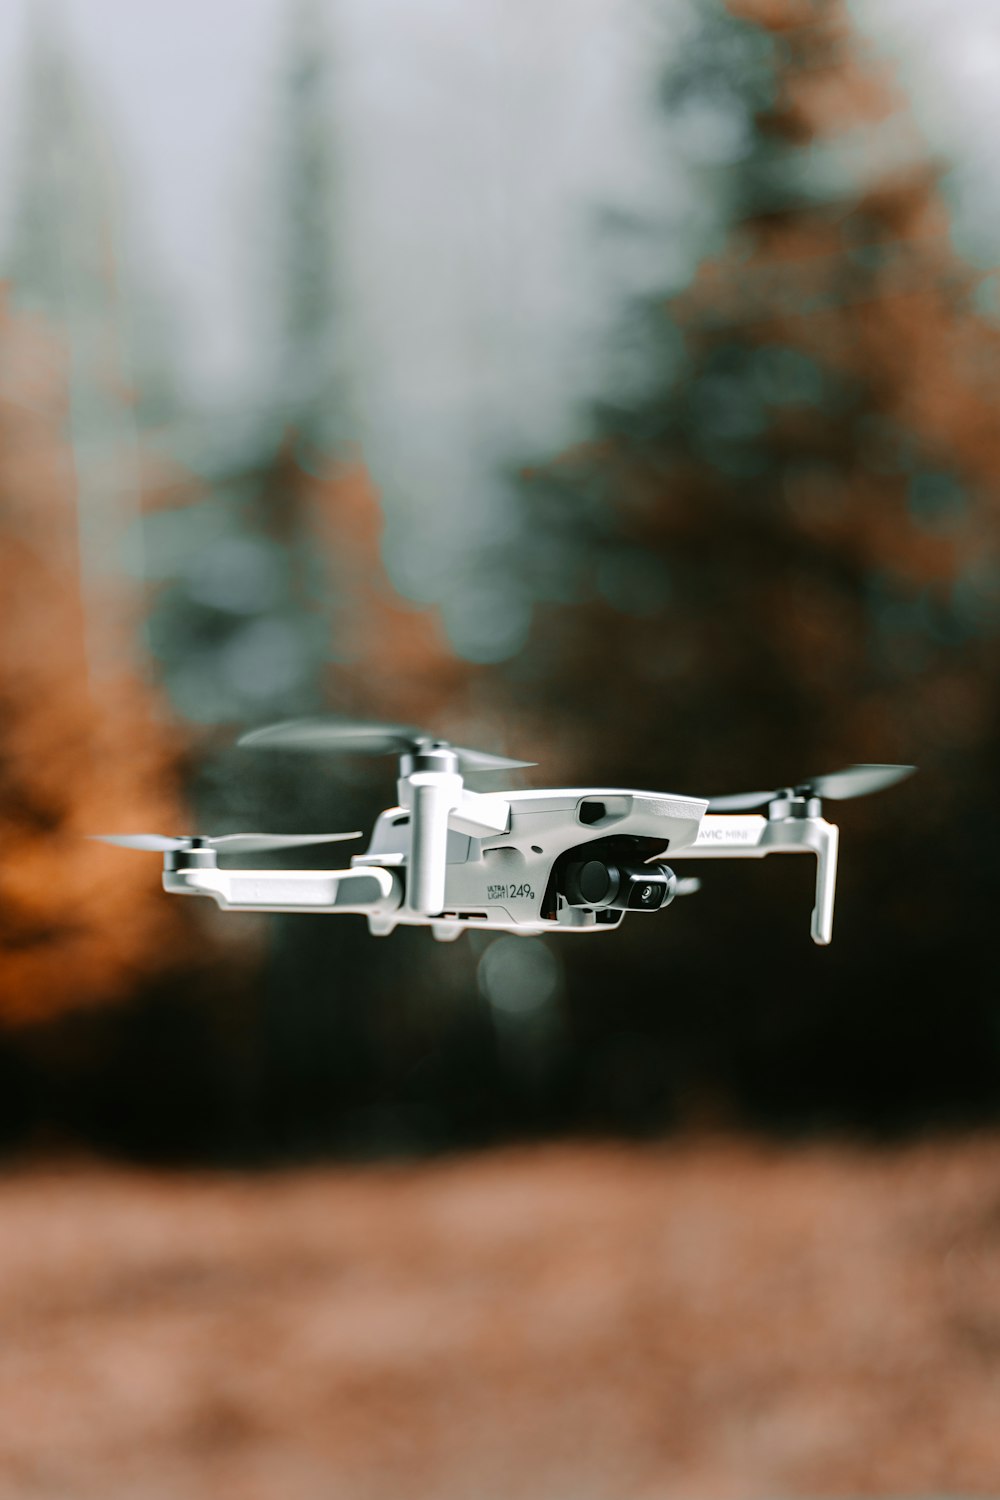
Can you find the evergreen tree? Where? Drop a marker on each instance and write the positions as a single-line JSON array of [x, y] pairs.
[[312, 367], [785, 554], [63, 262], [80, 753]]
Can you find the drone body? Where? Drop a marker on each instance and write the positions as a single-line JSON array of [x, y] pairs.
[[547, 860], [499, 878]]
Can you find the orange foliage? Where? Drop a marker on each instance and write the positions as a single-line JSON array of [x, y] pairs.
[[395, 660], [769, 640], [80, 746]]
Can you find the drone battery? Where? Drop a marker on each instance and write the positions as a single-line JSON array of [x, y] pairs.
[[603, 883]]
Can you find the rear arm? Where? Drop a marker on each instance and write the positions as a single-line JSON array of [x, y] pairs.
[[750, 836]]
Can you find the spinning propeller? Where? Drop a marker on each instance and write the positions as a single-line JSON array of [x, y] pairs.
[[430, 786], [238, 843], [840, 786], [347, 737]]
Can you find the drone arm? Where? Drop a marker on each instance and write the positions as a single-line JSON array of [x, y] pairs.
[[369, 889], [725, 836], [437, 801], [750, 836], [432, 800], [431, 797], [827, 842]]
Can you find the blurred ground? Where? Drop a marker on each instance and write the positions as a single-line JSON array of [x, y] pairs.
[[711, 1319]]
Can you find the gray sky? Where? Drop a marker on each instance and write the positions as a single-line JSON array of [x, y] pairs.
[[479, 135], [478, 141], [948, 54], [459, 122]]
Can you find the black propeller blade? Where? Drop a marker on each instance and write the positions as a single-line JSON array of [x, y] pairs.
[[238, 843], [347, 737], [839, 786]]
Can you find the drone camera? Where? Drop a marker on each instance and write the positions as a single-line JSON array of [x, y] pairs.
[[603, 884]]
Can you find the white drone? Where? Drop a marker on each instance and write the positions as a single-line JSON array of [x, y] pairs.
[[562, 859]]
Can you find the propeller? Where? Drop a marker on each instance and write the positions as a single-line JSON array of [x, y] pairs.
[[348, 737], [840, 786], [239, 843]]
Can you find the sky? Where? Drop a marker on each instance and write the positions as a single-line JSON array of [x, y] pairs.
[[479, 145], [473, 165], [948, 57], [459, 124]]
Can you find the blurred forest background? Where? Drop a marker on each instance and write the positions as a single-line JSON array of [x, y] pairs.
[[611, 386]]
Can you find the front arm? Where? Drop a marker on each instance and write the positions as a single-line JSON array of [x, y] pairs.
[[750, 836], [370, 889]]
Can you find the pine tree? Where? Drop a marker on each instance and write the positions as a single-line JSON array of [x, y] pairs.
[[65, 261], [85, 744], [80, 923], [789, 549], [803, 503]]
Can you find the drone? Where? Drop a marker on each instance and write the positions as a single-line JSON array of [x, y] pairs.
[[543, 860]]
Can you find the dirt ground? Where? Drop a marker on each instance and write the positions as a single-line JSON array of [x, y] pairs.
[[714, 1319]]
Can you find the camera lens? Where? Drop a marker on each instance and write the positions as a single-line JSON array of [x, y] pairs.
[[648, 891], [604, 883]]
